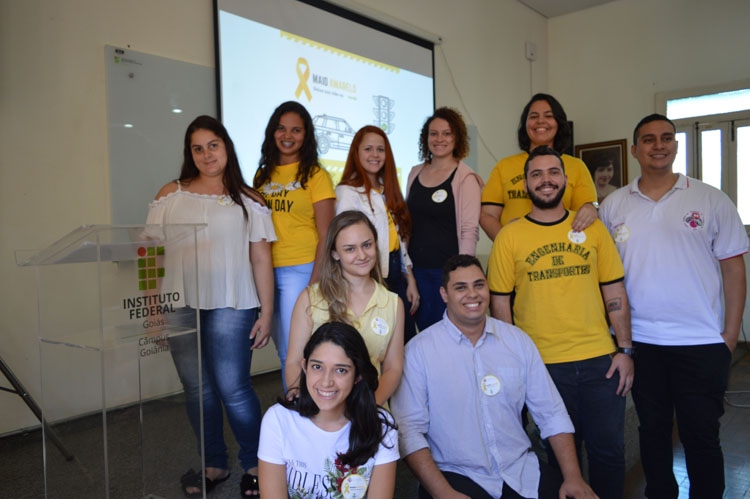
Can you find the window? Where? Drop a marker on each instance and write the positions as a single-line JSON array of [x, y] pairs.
[[713, 132]]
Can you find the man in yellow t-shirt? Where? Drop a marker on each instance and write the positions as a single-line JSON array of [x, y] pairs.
[[560, 277]]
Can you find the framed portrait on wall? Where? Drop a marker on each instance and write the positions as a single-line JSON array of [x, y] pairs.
[[608, 164]]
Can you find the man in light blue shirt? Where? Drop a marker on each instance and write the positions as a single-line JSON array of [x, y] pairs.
[[458, 407]]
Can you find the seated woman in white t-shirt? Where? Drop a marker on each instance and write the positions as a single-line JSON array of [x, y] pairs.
[[333, 440]]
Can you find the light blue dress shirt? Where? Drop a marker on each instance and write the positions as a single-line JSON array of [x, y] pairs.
[[464, 402]]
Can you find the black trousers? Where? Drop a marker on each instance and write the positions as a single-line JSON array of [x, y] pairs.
[[688, 381], [549, 485]]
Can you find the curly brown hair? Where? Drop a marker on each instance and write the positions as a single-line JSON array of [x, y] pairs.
[[458, 127]]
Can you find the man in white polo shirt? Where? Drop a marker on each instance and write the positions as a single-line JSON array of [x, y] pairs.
[[680, 241]]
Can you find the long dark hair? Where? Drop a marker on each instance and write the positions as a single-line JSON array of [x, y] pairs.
[[562, 137], [355, 175], [269, 153], [234, 183], [370, 423]]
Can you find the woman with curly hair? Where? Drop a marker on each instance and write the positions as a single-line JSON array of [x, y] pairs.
[[370, 184], [332, 440], [301, 197], [443, 198], [351, 291]]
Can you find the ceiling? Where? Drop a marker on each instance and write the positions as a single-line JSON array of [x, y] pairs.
[[554, 8]]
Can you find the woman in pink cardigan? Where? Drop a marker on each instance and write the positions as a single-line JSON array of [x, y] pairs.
[[444, 199]]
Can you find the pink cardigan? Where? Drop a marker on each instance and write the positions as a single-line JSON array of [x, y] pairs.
[[467, 192]]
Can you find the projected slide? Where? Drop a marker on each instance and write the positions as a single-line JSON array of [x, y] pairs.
[[262, 67]]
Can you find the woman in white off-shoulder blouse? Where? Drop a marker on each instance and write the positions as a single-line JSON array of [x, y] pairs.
[[235, 297]]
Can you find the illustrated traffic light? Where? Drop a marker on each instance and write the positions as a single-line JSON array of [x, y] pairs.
[[384, 113]]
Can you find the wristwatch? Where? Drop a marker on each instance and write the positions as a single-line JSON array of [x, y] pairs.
[[626, 351]]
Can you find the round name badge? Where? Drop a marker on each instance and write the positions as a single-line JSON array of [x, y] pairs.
[[380, 326], [225, 200], [490, 385], [622, 233], [577, 237], [354, 486], [439, 195]]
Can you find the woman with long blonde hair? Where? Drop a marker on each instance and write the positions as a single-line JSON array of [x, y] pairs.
[[370, 184], [351, 291]]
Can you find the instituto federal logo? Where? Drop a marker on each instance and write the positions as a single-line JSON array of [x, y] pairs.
[[148, 269], [149, 305]]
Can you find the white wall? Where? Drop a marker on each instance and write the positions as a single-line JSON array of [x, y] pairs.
[[483, 43], [54, 166], [54, 173], [607, 63]]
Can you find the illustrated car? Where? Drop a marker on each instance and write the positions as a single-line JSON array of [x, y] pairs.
[[332, 133]]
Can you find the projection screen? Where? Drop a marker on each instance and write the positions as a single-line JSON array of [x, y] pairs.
[[346, 73]]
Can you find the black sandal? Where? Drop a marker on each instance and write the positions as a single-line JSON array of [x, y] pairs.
[[193, 480], [249, 483]]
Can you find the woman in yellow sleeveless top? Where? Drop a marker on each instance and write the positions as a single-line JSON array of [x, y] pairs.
[[351, 290]]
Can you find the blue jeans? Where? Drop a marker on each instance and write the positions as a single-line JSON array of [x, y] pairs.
[[598, 415], [290, 281], [431, 304], [689, 382], [225, 355]]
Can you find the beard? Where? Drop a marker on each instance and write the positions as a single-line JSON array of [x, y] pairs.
[[543, 204]]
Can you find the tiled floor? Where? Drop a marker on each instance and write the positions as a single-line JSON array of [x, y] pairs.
[[735, 442]]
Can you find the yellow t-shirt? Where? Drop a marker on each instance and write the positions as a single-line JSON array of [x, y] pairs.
[[556, 274], [376, 324], [505, 187], [293, 214]]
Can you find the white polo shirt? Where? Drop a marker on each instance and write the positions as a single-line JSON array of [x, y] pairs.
[[670, 249]]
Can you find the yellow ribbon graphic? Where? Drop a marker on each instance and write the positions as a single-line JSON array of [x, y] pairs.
[[303, 77]]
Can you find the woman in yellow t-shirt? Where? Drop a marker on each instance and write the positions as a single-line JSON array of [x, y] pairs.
[[351, 290], [301, 197], [504, 199]]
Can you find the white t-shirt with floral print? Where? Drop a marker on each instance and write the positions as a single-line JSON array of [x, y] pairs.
[[310, 456]]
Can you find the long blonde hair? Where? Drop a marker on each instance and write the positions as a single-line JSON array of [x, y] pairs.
[[333, 286]]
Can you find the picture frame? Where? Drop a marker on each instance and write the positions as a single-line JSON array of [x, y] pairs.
[[608, 164]]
